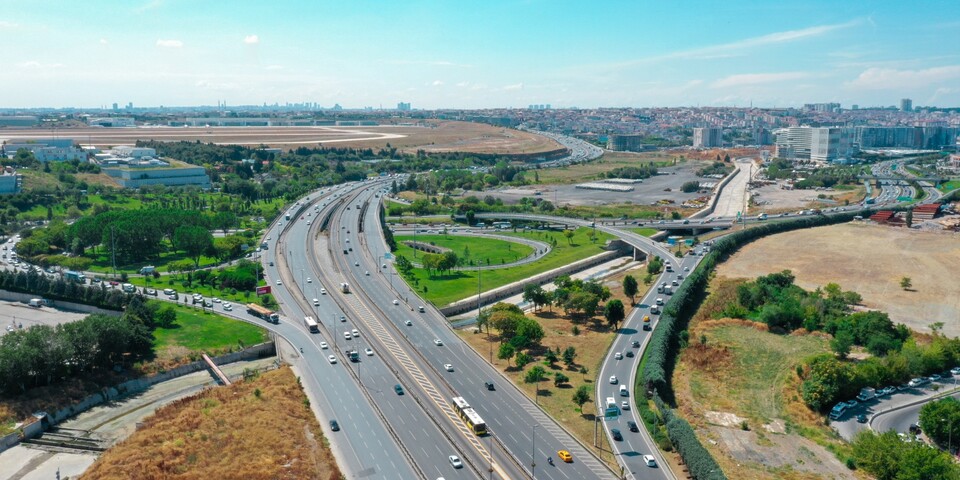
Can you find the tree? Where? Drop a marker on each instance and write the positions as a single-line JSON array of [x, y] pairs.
[[581, 396], [535, 375], [194, 241], [630, 288], [690, 187], [559, 379], [506, 352], [940, 419], [569, 355], [523, 359], [614, 312], [551, 357], [568, 234], [906, 283], [841, 343]]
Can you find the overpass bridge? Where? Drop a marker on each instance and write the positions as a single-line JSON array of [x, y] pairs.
[[892, 178], [566, 222]]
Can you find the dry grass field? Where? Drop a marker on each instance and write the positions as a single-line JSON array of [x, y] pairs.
[[870, 260], [260, 429], [433, 136]]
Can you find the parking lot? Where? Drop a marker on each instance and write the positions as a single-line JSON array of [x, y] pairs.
[[15, 315]]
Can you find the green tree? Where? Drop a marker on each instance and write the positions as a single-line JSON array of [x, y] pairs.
[[630, 288], [614, 312], [581, 396], [569, 355], [906, 283], [559, 379], [523, 359], [194, 241], [551, 357], [568, 234], [940, 419], [535, 375], [841, 343], [506, 352]]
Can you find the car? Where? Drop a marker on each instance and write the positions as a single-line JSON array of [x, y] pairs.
[[396, 302], [355, 332], [347, 335], [421, 309], [618, 356], [632, 426], [934, 378], [613, 380], [323, 291], [886, 391], [331, 359], [686, 269], [650, 461], [565, 456], [334, 426], [316, 303], [635, 344], [629, 353], [367, 273], [309, 280], [646, 327], [624, 405], [356, 264], [448, 367], [861, 418], [227, 307], [955, 370], [271, 263], [489, 386], [383, 266], [408, 323], [342, 318], [615, 432], [215, 300], [851, 403], [150, 291], [914, 429], [279, 282], [368, 351], [324, 346], [675, 283], [455, 461], [399, 389], [438, 342]]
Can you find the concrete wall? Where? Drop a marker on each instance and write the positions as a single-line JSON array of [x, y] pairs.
[[704, 212], [9, 440], [59, 304]]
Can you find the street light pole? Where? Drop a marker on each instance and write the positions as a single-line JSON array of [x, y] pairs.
[[533, 454]]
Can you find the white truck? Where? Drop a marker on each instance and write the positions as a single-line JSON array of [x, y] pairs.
[[345, 287], [867, 393]]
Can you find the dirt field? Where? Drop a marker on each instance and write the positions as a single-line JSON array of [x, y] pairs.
[[869, 259], [434, 136], [773, 199]]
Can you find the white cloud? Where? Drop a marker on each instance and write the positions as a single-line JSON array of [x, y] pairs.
[[437, 83], [463, 84], [103, 41], [274, 67], [744, 79], [251, 39], [6, 24], [169, 43], [33, 64], [883, 78], [516, 86]]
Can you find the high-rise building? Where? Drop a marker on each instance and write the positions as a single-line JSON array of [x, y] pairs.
[[822, 144], [403, 107], [116, 107], [707, 137], [906, 105]]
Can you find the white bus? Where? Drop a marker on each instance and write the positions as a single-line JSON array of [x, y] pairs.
[[311, 324], [469, 416]]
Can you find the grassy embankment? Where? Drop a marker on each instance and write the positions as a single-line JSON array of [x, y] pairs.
[[450, 287], [470, 248], [258, 428]]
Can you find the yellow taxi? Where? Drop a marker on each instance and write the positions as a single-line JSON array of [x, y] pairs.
[[646, 319], [565, 456]]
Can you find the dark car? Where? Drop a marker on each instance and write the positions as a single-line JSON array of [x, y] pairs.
[[635, 344], [489, 386], [861, 418], [399, 389], [629, 353], [915, 429], [647, 327], [334, 426], [633, 426], [616, 434]]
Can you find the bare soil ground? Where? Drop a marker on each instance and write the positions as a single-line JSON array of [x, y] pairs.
[[434, 136], [773, 199], [869, 259]]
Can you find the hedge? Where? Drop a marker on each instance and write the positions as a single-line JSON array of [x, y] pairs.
[[661, 353], [59, 289]]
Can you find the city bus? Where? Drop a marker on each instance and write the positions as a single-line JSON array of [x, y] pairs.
[[311, 324], [501, 225], [469, 416]]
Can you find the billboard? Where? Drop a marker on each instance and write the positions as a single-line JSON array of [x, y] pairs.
[[263, 290]]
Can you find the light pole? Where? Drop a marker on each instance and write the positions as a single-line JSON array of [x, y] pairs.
[[533, 454]]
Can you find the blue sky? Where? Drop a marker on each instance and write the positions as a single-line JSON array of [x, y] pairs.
[[477, 54]]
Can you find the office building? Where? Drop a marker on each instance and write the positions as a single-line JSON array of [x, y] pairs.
[[906, 105], [821, 144], [627, 143], [157, 172], [45, 149], [403, 107], [112, 122], [707, 137]]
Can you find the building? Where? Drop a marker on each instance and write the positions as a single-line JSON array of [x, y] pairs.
[[113, 121], [627, 143], [820, 144], [156, 172], [45, 149], [707, 137], [906, 105], [18, 120], [927, 137], [403, 107], [10, 181]]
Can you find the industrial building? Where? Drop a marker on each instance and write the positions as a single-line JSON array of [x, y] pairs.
[[45, 149], [138, 174]]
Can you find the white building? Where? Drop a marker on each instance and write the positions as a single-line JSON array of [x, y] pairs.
[[707, 137], [820, 144]]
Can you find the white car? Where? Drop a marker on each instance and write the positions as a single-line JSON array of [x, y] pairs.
[[396, 302], [324, 346], [279, 282], [347, 335], [408, 323], [316, 303], [355, 332], [356, 264], [369, 352], [650, 461], [613, 380], [455, 461], [618, 356], [367, 273], [309, 280], [215, 300], [323, 291], [624, 405], [448, 367], [227, 306], [332, 359], [437, 342]]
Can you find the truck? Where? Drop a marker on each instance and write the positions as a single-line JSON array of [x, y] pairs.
[[668, 290], [75, 276], [263, 312], [352, 354], [762, 216], [867, 393], [148, 270], [37, 302], [287, 216], [838, 410], [345, 287], [129, 288]]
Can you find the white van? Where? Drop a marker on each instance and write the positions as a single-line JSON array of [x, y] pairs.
[[623, 391]]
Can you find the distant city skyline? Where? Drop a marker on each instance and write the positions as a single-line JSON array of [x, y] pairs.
[[471, 55]]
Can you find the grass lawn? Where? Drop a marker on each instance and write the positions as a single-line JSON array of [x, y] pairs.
[[594, 170], [479, 248], [176, 282], [102, 262], [951, 185], [444, 289], [646, 232], [204, 331]]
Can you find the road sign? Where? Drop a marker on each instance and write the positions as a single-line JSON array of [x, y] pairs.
[[388, 256], [611, 412], [904, 199], [263, 290]]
